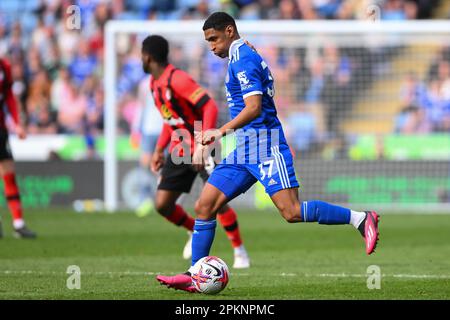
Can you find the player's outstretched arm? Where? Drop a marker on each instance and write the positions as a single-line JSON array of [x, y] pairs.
[[252, 110]]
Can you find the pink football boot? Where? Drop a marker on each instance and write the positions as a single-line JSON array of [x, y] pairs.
[[178, 282], [371, 232]]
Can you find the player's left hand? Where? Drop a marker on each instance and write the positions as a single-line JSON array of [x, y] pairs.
[[21, 132]]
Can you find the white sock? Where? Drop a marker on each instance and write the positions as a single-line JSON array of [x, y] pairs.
[[18, 223], [240, 251], [356, 218]]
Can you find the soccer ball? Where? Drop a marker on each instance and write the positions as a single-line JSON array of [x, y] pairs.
[[210, 275]]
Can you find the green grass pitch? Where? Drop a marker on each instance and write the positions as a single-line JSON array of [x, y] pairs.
[[120, 254]]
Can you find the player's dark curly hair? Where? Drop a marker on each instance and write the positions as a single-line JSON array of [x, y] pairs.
[[157, 47], [219, 21]]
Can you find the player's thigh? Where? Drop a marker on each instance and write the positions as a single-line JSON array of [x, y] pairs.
[[288, 204], [176, 177], [165, 201], [225, 183], [232, 179], [210, 201], [206, 173], [276, 171]]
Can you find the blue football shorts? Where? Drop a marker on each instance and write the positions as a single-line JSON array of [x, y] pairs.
[[276, 172]]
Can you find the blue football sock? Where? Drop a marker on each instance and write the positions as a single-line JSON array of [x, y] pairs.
[[202, 238], [324, 213]]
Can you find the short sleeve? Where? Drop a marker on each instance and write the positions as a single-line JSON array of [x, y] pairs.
[[185, 87]]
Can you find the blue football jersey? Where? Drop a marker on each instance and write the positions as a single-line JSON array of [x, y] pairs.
[[273, 167], [248, 74]]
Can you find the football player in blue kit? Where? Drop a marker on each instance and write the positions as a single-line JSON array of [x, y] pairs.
[[262, 153]]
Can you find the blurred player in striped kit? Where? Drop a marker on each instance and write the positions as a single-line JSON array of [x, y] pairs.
[[7, 169]]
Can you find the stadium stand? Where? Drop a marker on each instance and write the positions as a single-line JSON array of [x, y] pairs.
[[57, 78]]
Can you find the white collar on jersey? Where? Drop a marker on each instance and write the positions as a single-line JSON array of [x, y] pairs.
[[234, 46]]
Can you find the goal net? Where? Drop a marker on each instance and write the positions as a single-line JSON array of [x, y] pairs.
[[365, 106]]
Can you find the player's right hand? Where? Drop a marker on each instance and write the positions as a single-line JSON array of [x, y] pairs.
[[198, 160], [157, 161]]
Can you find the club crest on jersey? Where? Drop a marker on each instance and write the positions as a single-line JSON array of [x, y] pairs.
[[165, 112], [243, 78], [244, 81]]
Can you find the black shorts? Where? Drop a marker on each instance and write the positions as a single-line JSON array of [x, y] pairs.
[[5, 149], [179, 177]]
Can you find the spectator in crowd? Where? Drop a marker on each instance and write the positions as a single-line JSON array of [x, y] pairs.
[[4, 45], [399, 10], [61, 90], [72, 112], [42, 122], [198, 11], [319, 9], [83, 64], [288, 10], [128, 107], [67, 42], [94, 108], [17, 43], [38, 102], [20, 85], [41, 38], [438, 98], [313, 96], [413, 91], [338, 91], [301, 127], [268, 9], [412, 120], [413, 117], [131, 73]]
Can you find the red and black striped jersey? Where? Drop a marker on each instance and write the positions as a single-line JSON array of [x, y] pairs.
[[179, 99]]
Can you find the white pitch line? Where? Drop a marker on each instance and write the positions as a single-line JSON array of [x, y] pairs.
[[319, 275]]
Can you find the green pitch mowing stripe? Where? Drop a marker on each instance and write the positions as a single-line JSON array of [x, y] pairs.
[[120, 254]]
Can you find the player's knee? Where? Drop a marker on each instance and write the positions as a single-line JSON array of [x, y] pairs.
[[203, 209]]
